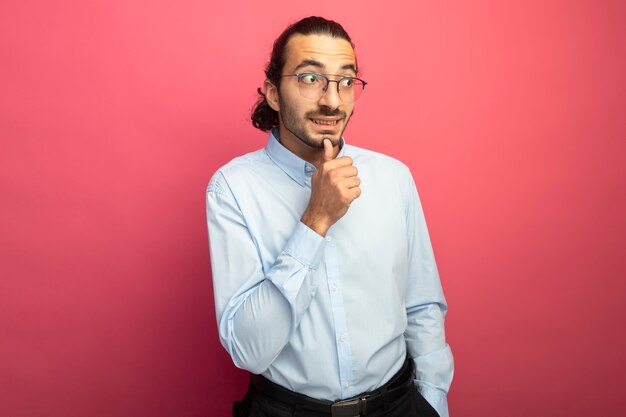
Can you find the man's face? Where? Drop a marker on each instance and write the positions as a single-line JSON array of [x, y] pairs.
[[308, 120]]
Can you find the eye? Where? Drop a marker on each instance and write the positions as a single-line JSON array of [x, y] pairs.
[[310, 78], [346, 82]]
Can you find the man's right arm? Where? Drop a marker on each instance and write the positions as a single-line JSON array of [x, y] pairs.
[[257, 310]]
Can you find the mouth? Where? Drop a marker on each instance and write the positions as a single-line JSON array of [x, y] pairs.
[[325, 122]]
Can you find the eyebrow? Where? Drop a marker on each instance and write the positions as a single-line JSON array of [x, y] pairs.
[[309, 63], [317, 64]]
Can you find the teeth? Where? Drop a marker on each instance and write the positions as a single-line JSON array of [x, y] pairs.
[[325, 122]]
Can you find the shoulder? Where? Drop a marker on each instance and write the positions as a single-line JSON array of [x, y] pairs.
[[239, 169]]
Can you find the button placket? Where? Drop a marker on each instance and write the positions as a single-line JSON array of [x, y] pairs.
[[342, 340]]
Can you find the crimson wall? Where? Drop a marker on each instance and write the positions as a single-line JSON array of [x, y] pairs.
[[114, 114]]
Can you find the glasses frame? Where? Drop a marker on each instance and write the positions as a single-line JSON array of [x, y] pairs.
[[328, 81]]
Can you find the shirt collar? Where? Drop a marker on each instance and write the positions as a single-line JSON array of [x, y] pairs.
[[293, 165]]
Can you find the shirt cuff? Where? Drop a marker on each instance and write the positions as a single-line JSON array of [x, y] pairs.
[[436, 398], [306, 246]]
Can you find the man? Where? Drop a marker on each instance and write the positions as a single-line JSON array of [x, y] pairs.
[[326, 287]]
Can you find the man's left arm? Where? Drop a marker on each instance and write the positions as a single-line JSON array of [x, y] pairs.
[[426, 309]]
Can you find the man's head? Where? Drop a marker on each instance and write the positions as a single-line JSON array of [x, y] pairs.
[[306, 93]]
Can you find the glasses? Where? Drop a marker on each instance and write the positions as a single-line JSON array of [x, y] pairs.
[[313, 85]]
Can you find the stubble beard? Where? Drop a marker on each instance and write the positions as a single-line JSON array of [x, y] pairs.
[[296, 127]]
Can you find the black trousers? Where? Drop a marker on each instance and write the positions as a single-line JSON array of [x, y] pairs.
[[412, 404], [255, 404]]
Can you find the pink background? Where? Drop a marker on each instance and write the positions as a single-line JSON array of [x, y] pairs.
[[114, 115]]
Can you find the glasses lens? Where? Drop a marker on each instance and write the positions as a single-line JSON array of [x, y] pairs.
[[350, 89], [311, 85]]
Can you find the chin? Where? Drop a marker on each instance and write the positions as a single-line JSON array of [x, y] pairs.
[[316, 139], [333, 137], [319, 143]]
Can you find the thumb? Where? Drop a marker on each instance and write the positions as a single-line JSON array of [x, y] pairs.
[[328, 150]]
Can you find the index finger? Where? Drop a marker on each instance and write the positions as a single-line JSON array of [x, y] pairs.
[[328, 150]]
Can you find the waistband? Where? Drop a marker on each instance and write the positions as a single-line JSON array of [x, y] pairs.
[[359, 405]]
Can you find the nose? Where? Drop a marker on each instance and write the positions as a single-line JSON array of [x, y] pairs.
[[330, 98]]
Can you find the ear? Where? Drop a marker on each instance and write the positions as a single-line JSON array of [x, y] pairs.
[[271, 95]]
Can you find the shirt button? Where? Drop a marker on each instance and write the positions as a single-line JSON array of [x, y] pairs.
[[334, 287], [346, 385], [328, 238], [342, 338], [308, 168]]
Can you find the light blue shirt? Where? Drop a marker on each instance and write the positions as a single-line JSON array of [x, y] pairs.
[[329, 317]]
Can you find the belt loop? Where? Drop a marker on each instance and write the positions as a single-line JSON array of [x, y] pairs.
[[363, 406], [386, 402], [296, 408]]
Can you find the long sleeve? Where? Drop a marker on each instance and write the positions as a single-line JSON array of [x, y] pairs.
[[257, 310], [426, 310]]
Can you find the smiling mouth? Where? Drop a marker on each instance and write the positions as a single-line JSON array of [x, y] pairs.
[[325, 122]]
